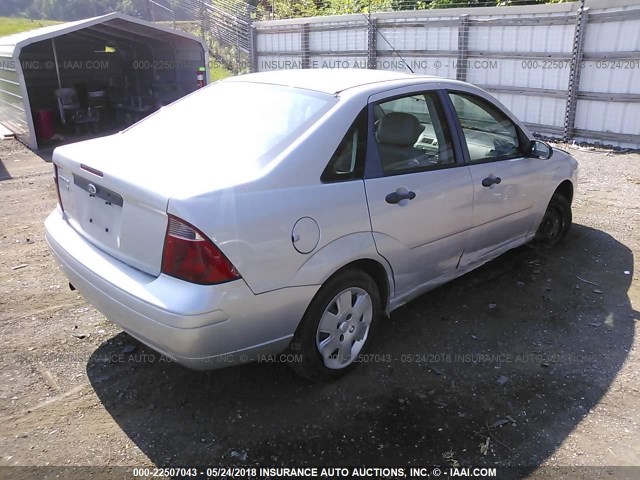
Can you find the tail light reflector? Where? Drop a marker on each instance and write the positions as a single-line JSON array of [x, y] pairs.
[[189, 255]]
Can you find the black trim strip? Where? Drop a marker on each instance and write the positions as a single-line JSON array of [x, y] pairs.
[[454, 126], [109, 196]]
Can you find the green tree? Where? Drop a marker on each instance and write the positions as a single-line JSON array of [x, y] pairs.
[[70, 9], [461, 3], [481, 3], [341, 7], [14, 7], [77, 9], [286, 9]]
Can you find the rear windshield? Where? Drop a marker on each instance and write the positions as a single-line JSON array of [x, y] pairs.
[[246, 121]]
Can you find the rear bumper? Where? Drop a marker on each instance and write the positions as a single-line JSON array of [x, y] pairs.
[[200, 326]]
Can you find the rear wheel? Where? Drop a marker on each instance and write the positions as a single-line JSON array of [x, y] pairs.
[[336, 327], [555, 223]]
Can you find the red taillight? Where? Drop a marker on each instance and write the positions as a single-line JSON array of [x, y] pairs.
[[55, 179], [189, 255]]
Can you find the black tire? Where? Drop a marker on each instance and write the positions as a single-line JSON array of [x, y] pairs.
[[308, 360], [556, 222]]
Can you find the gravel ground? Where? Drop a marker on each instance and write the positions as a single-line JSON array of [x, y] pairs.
[[531, 361]]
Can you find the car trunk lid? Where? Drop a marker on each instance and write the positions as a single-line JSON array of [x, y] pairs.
[[116, 213]]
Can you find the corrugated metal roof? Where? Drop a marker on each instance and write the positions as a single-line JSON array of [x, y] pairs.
[[20, 40]]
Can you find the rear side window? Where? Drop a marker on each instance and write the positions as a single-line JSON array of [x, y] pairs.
[[347, 162], [488, 131]]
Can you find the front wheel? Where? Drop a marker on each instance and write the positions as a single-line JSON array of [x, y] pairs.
[[555, 223], [336, 327]]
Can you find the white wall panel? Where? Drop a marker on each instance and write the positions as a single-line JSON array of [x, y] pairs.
[[542, 38], [521, 72], [338, 40], [419, 38], [279, 42], [621, 36], [608, 117], [526, 66], [534, 109]]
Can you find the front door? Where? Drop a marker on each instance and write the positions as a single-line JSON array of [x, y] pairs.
[[506, 183]]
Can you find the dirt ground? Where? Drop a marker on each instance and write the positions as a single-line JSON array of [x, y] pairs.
[[532, 360]]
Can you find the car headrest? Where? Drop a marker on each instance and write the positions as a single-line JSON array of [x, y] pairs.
[[399, 128]]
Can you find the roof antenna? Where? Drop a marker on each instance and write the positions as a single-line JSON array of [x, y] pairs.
[[385, 39]]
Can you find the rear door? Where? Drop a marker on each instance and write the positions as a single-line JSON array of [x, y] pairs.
[[420, 197], [505, 181]]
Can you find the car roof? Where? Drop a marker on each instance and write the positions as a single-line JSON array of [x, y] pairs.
[[331, 81]]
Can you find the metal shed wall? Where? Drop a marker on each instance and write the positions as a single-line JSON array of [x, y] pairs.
[[565, 72], [12, 110]]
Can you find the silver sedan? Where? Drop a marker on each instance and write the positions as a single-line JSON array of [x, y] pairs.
[[290, 211]]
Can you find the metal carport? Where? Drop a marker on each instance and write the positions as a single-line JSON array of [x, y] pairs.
[[122, 53]]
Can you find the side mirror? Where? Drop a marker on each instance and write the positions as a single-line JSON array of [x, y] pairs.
[[538, 149]]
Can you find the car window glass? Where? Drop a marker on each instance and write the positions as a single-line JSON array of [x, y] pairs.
[[488, 132], [411, 134], [251, 122], [347, 162]]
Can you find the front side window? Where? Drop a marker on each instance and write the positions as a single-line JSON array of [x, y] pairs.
[[411, 134], [488, 131]]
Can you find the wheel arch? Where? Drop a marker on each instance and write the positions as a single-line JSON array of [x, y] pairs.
[[377, 272], [309, 362], [355, 251], [565, 189]]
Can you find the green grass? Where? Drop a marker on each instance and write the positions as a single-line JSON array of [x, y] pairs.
[[10, 25], [218, 72]]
